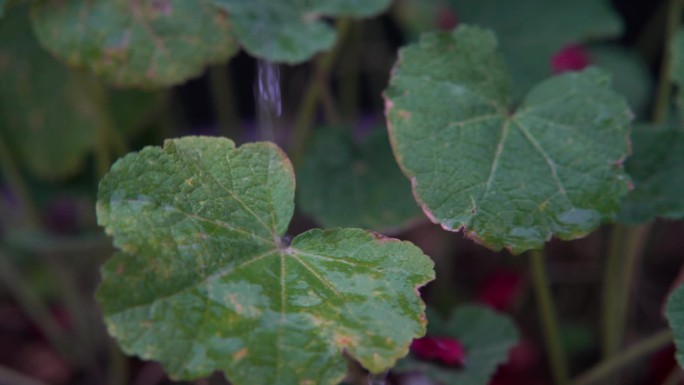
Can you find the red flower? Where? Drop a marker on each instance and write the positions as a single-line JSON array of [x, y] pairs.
[[501, 289], [447, 19], [572, 57], [446, 350]]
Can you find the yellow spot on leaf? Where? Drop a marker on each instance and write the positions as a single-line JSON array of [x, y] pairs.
[[240, 354]]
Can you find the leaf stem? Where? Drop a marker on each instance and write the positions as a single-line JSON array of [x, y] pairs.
[[548, 318], [639, 350], [34, 307], [314, 92], [223, 98], [626, 246], [664, 89], [14, 178], [108, 136]]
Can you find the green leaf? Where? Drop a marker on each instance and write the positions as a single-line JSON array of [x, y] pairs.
[[44, 115], [677, 72], [630, 74], [48, 115], [343, 183], [674, 312], [657, 171], [292, 31], [204, 280], [508, 178], [3, 6], [486, 335], [530, 31], [147, 43]]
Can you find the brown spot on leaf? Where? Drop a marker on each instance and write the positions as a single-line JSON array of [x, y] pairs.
[[240, 354], [404, 114]]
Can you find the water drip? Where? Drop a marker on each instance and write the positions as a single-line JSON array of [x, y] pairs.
[[268, 99]]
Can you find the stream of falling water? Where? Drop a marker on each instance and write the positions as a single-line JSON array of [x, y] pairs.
[[268, 100]]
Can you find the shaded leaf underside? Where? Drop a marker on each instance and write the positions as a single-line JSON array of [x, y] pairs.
[[342, 183]]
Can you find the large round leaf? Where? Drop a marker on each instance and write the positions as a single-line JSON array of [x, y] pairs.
[[657, 171], [204, 280], [487, 337], [510, 178], [144, 43], [530, 31], [343, 183], [291, 31]]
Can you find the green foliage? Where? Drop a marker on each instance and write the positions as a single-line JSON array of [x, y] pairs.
[[530, 31], [656, 170], [674, 312], [509, 178], [677, 71], [342, 183], [291, 31], [629, 73], [148, 43], [486, 335], [211, 285], [49, 114]]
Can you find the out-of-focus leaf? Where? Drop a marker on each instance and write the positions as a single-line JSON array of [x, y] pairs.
[[343, 183], [631, 76], [145, 43], [508, 178], [45, 117], [204, 280], [530, 31], [657, 171], [292, 31], [674, 312], [487, 337], [418, 16], [48, 113]]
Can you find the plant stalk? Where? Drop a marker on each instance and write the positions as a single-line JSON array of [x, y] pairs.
[[34, 307], [314, 92], [223, 97], [626, 247], [13, 177], [664, 88], [548, 318], [625, 357]]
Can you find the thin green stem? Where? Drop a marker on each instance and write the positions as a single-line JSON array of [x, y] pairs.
[[108, 136], [12, 176], [548, 318], [664, 89], [117, 373], [625, 357], [223, 97], [314, 92], [626, 247], [33, 306], [9, 376]]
